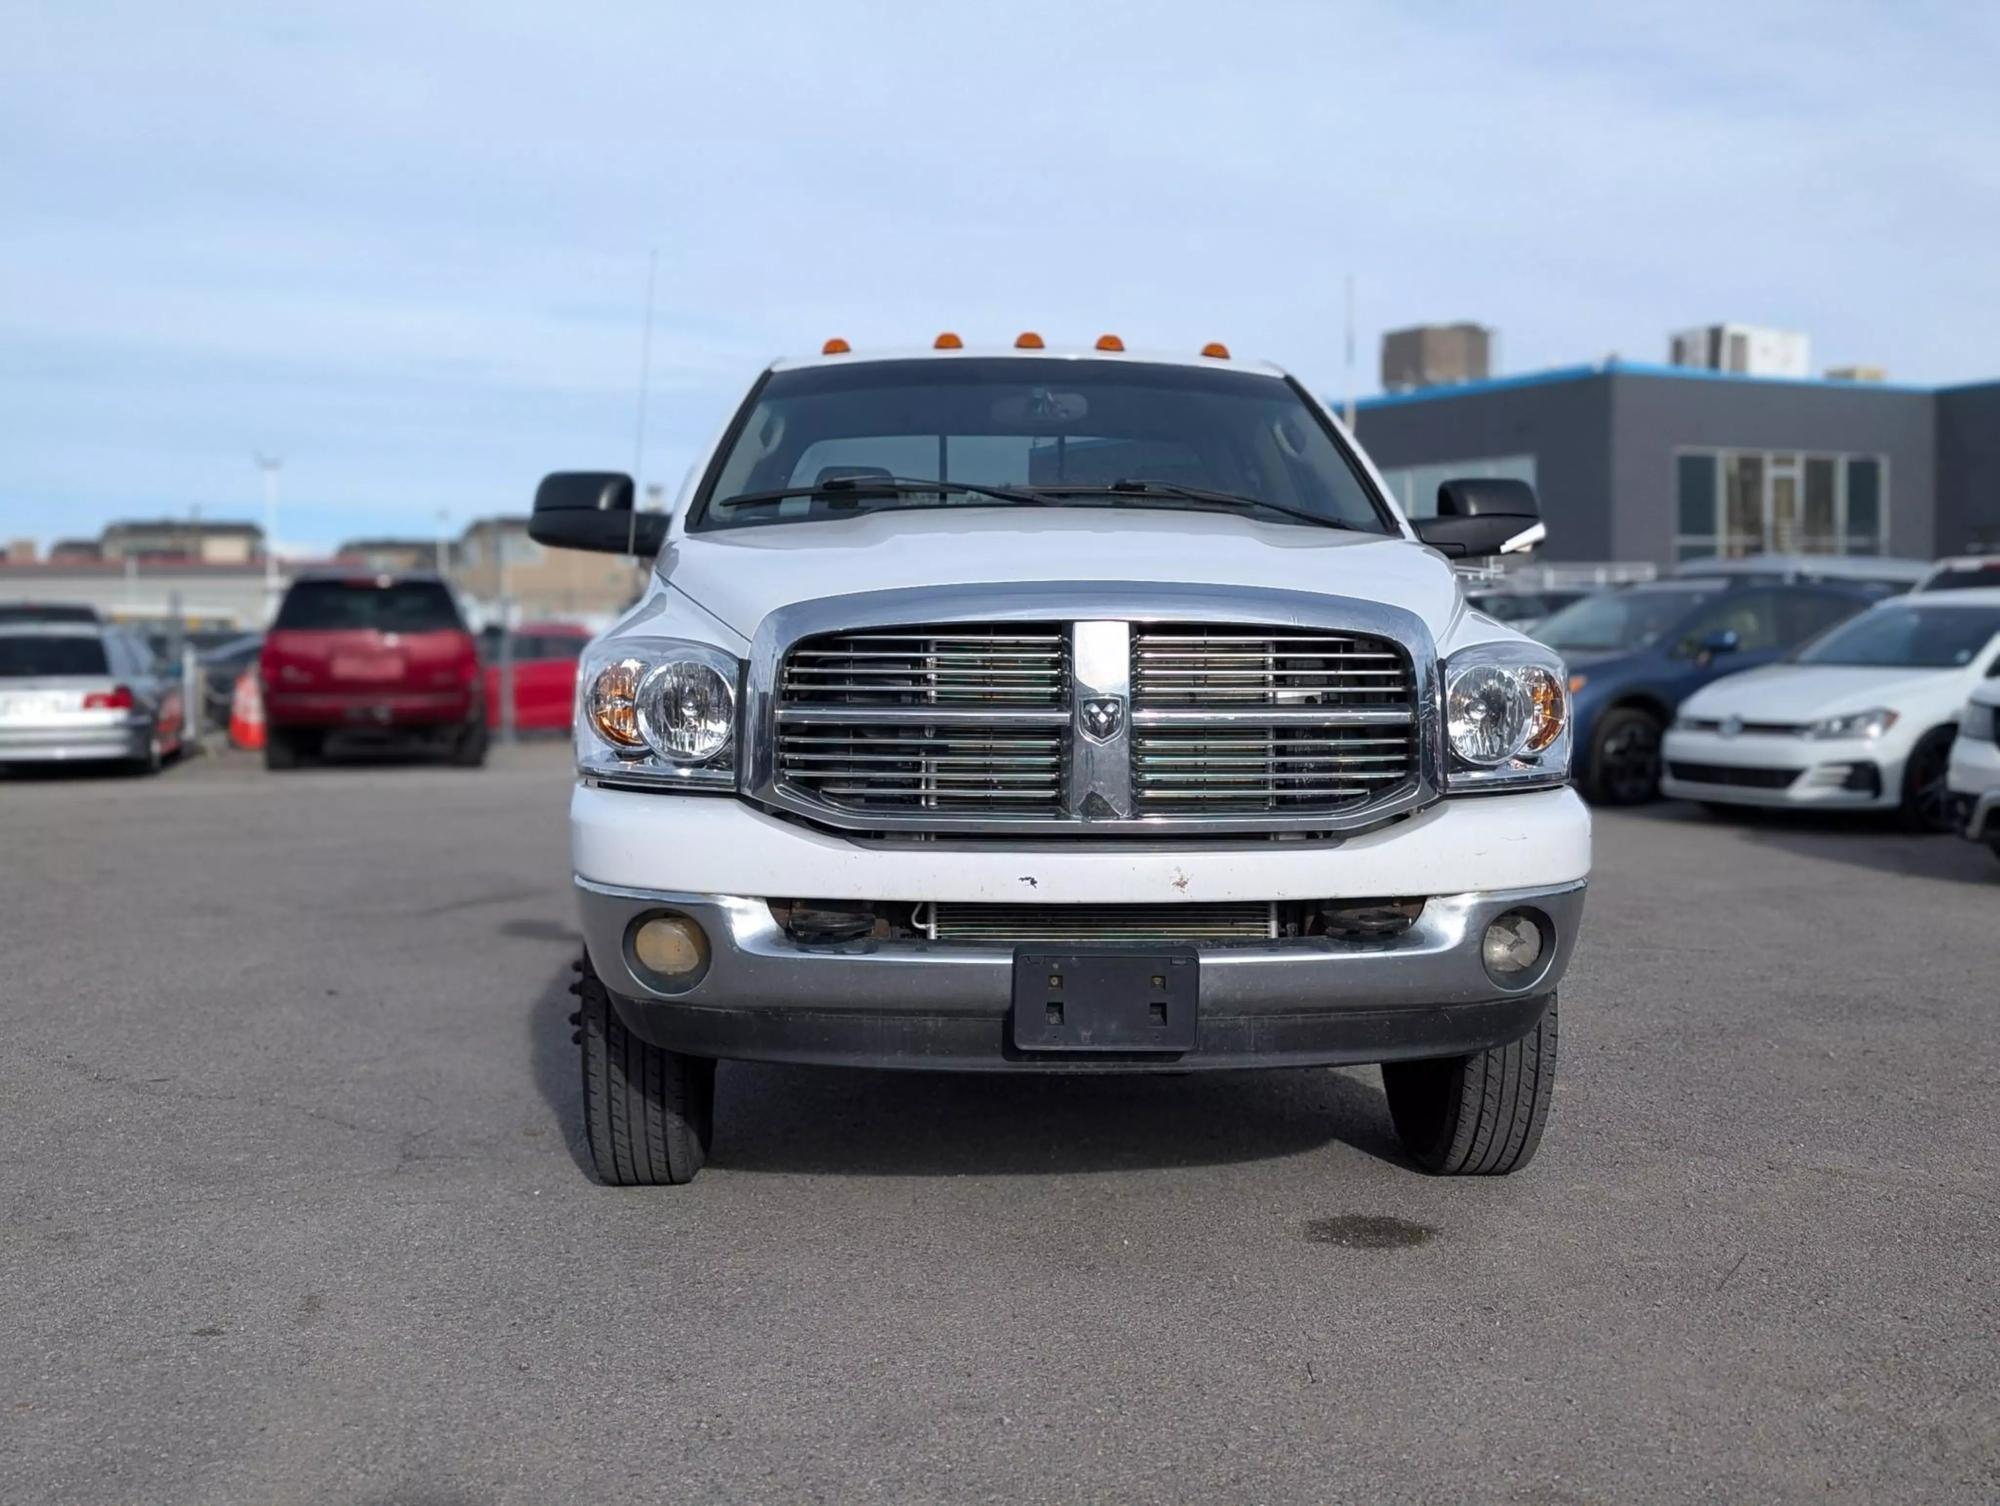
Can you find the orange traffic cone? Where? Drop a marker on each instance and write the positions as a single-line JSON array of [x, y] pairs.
[[246, 713]]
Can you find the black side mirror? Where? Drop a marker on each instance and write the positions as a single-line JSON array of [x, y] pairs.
[[1480, 516], [593, 510]]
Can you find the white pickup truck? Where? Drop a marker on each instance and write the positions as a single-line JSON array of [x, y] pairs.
[[1019, 710]]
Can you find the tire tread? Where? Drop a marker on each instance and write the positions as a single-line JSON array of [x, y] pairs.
[[1477, 1115], [648, 1113]]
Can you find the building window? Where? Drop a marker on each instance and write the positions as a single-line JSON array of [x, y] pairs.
[[1415, 487], [1864, 506], [1731, 503]]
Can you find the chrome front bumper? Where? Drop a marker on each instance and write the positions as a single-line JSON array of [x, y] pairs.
[[945, 1005]]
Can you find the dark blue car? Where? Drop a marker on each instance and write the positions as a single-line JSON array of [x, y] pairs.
[[1634, 655]]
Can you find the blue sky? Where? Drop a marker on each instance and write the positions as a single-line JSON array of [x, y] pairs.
[[405, 246]]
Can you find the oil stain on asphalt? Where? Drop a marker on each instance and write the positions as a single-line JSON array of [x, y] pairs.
[[1368, 1231]]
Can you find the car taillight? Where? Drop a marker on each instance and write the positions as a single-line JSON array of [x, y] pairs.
[[109, 700]]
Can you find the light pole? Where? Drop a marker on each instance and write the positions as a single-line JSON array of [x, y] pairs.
[[269, 465]]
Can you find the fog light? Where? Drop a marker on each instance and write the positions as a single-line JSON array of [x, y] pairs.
[[1512, 947], [672, 949]]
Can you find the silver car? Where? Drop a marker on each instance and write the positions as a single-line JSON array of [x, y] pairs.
[[79, 691]]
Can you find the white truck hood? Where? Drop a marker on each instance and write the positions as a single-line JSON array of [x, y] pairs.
[[741, 574]]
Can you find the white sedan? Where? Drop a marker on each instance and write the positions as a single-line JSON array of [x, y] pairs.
[[1861, 718]]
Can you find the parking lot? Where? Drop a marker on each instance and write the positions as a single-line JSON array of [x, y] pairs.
[[295, 1209]]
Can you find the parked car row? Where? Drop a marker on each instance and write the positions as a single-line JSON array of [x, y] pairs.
[[351, 660], [1761, 689]]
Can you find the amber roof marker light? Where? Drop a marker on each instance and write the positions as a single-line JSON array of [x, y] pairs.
[[1215, 350], [1110, 342], [835, 347], [947, 341], [1028, 340]]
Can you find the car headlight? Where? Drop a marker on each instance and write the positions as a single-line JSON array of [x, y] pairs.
[[658, 711], [1506, 717], [1871, 723], [1975, 723]]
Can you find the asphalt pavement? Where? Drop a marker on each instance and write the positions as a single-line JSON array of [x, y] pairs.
[[293, 1206]]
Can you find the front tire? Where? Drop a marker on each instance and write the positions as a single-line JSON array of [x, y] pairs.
[[1927, 805], [1477, 1115], [1624, 766], [649, 1114]]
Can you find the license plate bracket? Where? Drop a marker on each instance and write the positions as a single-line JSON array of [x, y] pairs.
[[1125, 999]]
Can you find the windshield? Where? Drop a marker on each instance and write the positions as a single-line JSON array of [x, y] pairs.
[[1027, 424], [1911, 637], [1613, 620], [27, 656], [406, 606]]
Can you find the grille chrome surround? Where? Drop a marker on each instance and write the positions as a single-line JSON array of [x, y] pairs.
[[1244, 920], [1266, 719], [897, 725]]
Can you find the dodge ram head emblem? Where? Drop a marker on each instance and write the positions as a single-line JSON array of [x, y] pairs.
[[1102, 716]]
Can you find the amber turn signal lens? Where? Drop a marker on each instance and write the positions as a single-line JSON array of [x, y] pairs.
[[1216, 350], [1110, 342], [947, 341], [1545, 698], [613, 704], [835, 347], [1027, 340]]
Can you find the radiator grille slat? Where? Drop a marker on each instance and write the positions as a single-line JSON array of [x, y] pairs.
[[1244, 719]]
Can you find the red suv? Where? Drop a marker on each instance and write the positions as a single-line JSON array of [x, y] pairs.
[[374, 658]]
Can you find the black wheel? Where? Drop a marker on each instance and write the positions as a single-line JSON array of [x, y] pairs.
[[1624, 765], [649, 1114], [281, 749], [152, 760], [1477, 1115], [1927, 804], [469, 750]]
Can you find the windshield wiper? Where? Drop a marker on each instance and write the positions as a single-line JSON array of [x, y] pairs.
[[850, 490], [1131, 487]]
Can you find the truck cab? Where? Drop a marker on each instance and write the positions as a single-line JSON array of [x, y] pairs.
[[1022, 710]]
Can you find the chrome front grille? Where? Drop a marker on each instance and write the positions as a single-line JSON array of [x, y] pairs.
[[955, 718], [1106, 725], [1244, 719], [1241, 921]]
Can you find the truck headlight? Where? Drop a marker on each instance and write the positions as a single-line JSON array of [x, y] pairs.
[[687, 711], [1506, 717], [658, 711], [1871, 723]]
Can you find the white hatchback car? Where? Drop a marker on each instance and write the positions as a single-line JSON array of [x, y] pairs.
[[1860, 718]]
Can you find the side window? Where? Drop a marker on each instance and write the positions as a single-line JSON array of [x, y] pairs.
[[1751, 615]]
